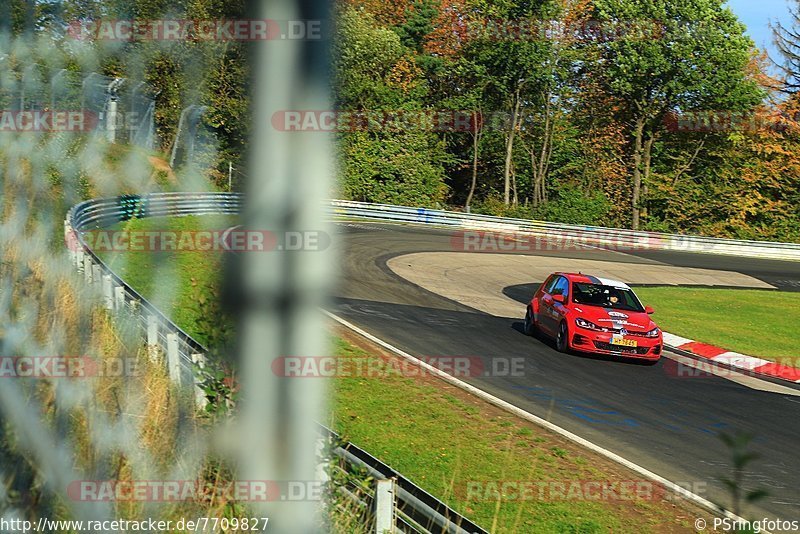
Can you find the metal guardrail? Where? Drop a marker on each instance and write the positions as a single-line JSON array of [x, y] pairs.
[[566, 235], [415, 510], [182, 351]]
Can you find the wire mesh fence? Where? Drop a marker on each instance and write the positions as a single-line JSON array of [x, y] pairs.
[[94, 427], [114, 418]]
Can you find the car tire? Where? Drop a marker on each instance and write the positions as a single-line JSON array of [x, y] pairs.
[[529, 328], [562, 339]]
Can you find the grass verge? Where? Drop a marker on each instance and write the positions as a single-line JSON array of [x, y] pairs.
[[448, 441], [191, 278], [740, 320]]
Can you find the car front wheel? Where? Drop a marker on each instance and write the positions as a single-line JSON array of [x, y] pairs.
[[562, 339]]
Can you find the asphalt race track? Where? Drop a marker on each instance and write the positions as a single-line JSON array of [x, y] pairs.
[[665, 423]]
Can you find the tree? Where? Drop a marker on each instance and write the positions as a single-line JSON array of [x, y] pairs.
[[697, 61], [787, 39], [374, 72], [468, 84]]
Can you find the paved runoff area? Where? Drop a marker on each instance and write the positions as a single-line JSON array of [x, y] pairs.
[[478, 280]]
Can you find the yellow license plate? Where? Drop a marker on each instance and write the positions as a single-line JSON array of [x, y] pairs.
[[623, 342]]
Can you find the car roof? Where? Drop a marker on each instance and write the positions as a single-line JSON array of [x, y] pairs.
[[589, 279]]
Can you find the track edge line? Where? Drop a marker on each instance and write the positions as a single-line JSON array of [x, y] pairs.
[[519, 412]]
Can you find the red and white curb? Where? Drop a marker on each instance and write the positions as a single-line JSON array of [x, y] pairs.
[[749, 364]]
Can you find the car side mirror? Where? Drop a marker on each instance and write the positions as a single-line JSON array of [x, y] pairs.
[[649, 310], [560, 298]]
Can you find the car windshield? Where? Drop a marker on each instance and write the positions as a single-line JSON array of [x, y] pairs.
[[606, 297]]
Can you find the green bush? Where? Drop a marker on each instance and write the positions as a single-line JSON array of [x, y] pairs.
[[570, 205], [494, 206], [404, 168]]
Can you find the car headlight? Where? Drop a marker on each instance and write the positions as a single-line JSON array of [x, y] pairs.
[[583, 323], [652, 333]]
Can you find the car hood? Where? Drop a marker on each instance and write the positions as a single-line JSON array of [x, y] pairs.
[[609, 318]]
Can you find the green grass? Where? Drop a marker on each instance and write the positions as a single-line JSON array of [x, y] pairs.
[[760, 323], [442, 442], [194, 274]]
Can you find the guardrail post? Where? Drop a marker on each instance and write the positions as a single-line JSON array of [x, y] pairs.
[[173, 360], [96, 274], [384, 506], [108, 292], [87, 269], [152, 336], [71, 240], [134, 306], [199, 395], [119, 298], [79, 260]]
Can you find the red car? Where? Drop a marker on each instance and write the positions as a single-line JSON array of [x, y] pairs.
[[590, 314]]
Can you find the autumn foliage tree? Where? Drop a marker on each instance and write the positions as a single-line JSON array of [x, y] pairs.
[[575, 104]]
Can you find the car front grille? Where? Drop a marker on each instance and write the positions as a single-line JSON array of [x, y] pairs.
[[618, 348]]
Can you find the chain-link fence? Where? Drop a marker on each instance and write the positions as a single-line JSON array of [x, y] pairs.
[[93, 428], [122, 110]]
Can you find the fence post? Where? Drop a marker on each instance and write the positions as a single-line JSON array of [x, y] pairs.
[[199, 395], [96, 274], [134, 305], [119, 298], [152, 336], [111, 121], [71, 240], [173, 358], [87, 269], [384, 506], [108, 292]]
